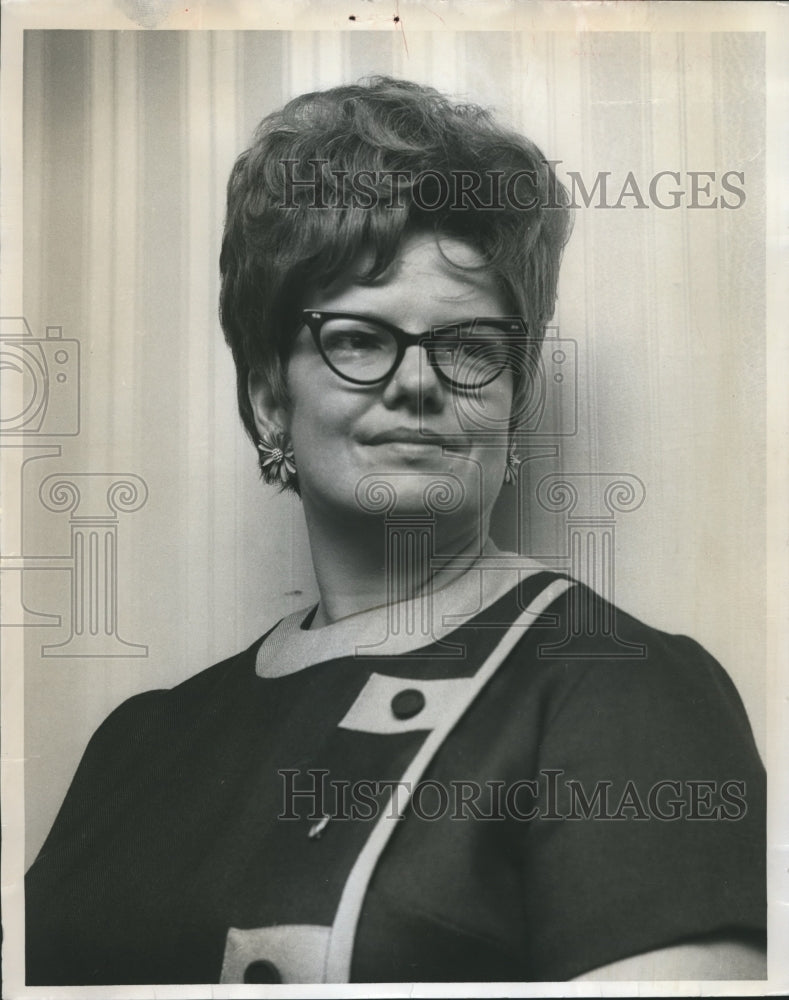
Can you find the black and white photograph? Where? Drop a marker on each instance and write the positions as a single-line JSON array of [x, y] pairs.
[[394, 484]]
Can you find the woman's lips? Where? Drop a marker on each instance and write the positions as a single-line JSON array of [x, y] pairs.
[[419, 446], [417, 438]]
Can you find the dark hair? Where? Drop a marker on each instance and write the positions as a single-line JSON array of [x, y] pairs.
[[296, 216]]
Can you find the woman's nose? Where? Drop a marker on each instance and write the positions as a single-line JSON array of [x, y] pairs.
[[415, 382]]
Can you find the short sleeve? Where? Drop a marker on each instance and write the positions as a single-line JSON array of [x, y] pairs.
[[89, 809], [111, 751], [652, 822]]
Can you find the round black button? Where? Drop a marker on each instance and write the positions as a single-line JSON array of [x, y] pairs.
[[406, 704], [262, 971]]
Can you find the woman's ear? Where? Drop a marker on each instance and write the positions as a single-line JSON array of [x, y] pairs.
[[271, 415]]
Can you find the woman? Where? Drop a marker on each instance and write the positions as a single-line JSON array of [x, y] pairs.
[[443, 771]]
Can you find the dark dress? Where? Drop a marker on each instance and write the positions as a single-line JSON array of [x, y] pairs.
[[599, 796]]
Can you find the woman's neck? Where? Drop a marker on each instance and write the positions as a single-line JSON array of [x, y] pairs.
[[375, 564]]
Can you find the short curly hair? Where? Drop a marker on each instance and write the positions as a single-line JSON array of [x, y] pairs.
[[356, 168]]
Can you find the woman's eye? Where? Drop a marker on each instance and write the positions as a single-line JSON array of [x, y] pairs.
[[359, 341]]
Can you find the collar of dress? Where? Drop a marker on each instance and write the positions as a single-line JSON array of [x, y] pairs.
[[398, 628]]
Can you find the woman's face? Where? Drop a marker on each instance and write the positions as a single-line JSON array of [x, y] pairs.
[[412, 429]]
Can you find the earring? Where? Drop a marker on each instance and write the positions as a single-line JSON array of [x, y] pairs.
[[277, 463], [513, 465]]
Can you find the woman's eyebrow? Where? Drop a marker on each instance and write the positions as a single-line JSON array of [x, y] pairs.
[[372, 317]]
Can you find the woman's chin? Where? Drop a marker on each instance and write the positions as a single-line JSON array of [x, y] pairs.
[[411, 488]]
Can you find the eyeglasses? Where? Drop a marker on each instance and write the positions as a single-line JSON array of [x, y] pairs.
[[465, 355]]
